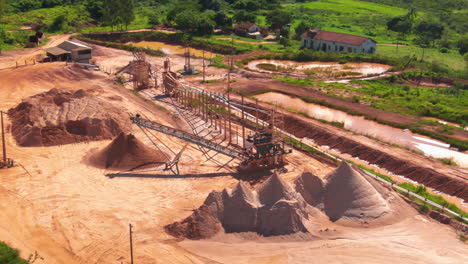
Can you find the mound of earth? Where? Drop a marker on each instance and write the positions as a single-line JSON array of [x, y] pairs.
[[310, 187], [276, 209], [348, 194], [279, 209], [60, 117], [126, 152]]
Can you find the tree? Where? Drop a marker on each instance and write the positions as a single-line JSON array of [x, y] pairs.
[[2, 38], [211, 4], [244, 16], [286, 42], [2, 7], [127, 11], [429, 32], [118, 12], [300, 28], [58, 24], [94, 7], [462, 44], [26, 5], [284, 32], [182, 7], [196, 22], [402, 24], [278, 18], [222, 20], [248, 5]]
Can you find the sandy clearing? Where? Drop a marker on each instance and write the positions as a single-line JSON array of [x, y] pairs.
[[70, 212], [410, 241]]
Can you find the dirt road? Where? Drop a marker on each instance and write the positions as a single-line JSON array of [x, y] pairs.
[[9, 59]]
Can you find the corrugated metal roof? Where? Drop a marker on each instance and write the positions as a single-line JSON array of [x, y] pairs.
[[56, 51], [70, 45], [336, 37]]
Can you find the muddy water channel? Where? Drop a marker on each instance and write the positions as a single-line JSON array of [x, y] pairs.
[[352, 68], [171, 49], [370, 128]]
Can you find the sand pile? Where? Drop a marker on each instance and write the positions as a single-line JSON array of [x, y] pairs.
[[126, 152], [61, 117], [347, 196], [276, 209]]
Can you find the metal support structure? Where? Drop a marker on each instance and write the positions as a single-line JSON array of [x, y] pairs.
[[256, 115], [131, 243], [203, 65], [229, 118], [3, 140], [243, 123], [209, 144]]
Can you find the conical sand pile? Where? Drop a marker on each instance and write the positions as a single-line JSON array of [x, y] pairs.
[[273, 190], [240, 209], [310, 187], [279, 209], [126, 152], [348, 194], [275, 210]]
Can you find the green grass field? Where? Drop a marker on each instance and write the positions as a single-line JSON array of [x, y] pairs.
[[356, 7], [274, 46], [350, 17], [452, 59]]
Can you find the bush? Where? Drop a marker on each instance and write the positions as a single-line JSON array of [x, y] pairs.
[[58, 24], [443, 50], [153, 19], [424, 209], [10, 255]]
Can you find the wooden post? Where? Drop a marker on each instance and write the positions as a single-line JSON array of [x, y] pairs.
[[131, 244], [200, 105], [3, 140], [225, 121], [243, 123], [229, 119], [229, 76], [203, 66], [256, 115], [204, 105]]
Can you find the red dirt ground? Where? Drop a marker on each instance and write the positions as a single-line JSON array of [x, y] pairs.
[[411, 170]]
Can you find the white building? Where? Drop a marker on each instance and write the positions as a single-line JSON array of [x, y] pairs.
[[336, 42]]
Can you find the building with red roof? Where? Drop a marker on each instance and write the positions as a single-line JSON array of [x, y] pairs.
[[336, 42]]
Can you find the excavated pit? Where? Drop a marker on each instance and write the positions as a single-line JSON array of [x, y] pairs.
[[278, 208], [59, 117]]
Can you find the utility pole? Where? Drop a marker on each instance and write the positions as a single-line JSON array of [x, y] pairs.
[[203, 66], [229, 119], [229, 75], [256, 115], [243, 124], [3, 141], [131, 244]]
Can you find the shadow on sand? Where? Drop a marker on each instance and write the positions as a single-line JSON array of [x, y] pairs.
[[170, 176]]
